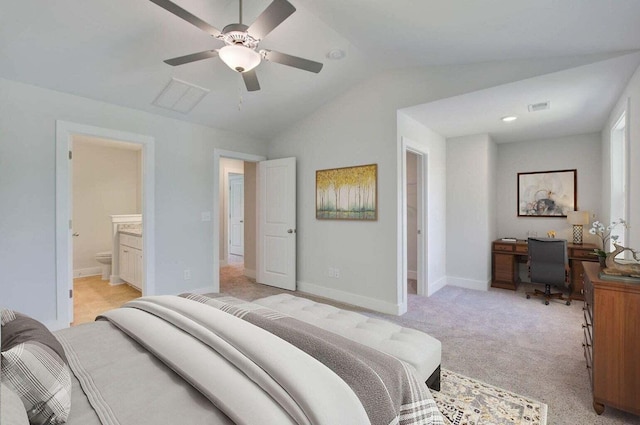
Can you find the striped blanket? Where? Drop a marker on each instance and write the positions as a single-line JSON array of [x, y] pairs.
[[386, 386]]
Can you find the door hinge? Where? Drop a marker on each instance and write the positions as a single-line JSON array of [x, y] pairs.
[[70, 155], [70, 293], [70, 224]]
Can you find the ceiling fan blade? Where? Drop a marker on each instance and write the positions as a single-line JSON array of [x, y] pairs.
[[270, 18], [294, 61], [192, 57], [187, 16], [251, 80]]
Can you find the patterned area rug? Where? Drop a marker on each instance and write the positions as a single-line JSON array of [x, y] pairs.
[[465, 401]]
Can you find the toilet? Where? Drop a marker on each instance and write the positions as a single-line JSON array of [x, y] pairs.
[[104, 258]]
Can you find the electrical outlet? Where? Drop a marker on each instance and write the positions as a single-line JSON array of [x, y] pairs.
[[187, 274], [336, 273]]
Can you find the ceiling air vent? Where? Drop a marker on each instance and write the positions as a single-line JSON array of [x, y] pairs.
[[180, 96], [535, 107]]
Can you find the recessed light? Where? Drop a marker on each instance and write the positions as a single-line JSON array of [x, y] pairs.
[[509, 118]]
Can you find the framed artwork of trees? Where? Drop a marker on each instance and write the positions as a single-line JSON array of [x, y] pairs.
[[349, 193]]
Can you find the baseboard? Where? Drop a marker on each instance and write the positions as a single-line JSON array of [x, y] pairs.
[[90, 271], [250, 273], [115, 280], [436, 286], [205, 290], [349, 298], [478, 285], [412, 274]]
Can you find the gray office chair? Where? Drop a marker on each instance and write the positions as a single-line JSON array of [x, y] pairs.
[[548, 265]]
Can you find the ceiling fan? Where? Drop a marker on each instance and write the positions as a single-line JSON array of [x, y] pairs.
[[241, 41]]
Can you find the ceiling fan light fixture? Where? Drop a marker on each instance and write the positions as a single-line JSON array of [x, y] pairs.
[[239, 58]]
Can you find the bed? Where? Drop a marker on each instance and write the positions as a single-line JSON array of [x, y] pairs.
[[201, 360]]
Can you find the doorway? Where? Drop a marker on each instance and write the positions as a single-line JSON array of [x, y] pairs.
[[106, 181], [65, 134], [414, 235]]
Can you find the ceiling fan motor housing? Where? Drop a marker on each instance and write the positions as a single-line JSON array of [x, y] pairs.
[[237, 34]]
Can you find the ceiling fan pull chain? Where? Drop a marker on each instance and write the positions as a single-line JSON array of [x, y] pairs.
[[239, 92]]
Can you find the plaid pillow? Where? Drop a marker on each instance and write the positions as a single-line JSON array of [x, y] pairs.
[[33, 369]]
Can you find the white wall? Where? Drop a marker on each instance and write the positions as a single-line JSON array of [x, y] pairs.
[[631, 95], [106, 181], [183, 189], [581, 152], [471, 198]]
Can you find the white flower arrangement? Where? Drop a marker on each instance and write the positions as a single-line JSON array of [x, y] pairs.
[[604, 233]]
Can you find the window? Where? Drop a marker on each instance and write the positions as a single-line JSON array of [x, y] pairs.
[[619, 180]]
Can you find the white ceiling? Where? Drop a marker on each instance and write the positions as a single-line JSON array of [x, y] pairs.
[[112, 50]]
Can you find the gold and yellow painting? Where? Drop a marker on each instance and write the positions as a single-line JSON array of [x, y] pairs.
[[349, 193]]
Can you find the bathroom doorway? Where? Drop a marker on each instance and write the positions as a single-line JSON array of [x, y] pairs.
[[106, 181], [66, 134]]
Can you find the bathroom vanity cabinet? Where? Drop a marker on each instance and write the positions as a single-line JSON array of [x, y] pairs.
[[130, 254]]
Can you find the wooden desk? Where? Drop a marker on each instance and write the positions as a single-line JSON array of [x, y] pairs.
[[612, 341], [505, 257]]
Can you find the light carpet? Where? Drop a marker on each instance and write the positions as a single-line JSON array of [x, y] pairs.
[[466, 401]]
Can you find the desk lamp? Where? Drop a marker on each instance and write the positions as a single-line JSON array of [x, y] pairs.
[[578, 219]]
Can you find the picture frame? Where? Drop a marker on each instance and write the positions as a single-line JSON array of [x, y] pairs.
[[347, 193], [547, 193]]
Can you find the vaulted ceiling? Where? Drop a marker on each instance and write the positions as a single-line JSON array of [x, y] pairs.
[[113, 51]]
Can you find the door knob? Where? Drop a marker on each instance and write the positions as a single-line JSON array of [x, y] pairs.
[[76, 234], [291, 231]]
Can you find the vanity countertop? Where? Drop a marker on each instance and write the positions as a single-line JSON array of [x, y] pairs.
[[133, 229]]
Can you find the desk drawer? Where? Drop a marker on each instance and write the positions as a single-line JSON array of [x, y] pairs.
[[522, 249], [506, 247]]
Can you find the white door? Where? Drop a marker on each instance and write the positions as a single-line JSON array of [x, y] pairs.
[[236, 214], [276, 253]]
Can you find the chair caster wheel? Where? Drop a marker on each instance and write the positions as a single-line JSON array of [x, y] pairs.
[[546, 303], [568, 302], [528, 296]]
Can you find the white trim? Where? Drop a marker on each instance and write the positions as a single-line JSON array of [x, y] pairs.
[[461, 282], [437, 285], [217, 154], [250, 273], [205, 290], [64, 133], [350, 298], [89, 271], [412, 274]]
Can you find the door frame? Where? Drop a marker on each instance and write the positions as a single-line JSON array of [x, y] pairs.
[[407, 145], [65, 131], [217, 155]]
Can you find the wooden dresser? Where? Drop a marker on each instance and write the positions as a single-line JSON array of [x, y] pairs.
[[612, 341], [505, 257]]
